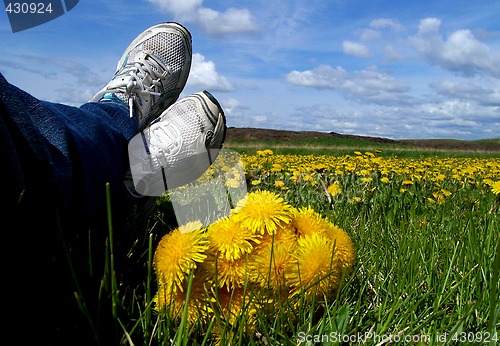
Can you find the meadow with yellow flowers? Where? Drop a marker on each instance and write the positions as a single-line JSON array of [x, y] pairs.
[[358, 248], [422, 255]]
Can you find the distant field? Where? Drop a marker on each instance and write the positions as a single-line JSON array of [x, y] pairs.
[[248, 140]]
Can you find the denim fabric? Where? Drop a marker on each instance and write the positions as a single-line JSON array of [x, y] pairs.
[[55, 161], [68, 153]]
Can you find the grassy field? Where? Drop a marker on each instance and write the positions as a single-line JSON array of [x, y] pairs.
[[329, 145], [425, 225]]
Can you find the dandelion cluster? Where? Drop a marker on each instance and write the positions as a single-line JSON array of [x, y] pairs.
[[361, 177], [264, 253]]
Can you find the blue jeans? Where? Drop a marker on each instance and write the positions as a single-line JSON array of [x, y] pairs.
[[55, 163], [68, 153]]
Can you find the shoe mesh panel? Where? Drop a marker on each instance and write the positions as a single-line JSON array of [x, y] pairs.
[[170, 48], [185, 119], [190, 126]]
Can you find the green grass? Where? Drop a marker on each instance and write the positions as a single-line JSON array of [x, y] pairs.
[[424, 271], [420, 271], [343, 146]]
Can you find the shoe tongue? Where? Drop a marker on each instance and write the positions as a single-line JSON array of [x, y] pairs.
[[146, 56], [132, 55]]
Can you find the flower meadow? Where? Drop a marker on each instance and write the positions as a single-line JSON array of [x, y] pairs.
[[359, 177], [361, 247]]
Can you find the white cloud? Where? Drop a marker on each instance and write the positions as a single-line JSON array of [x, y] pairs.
[[487, 96], [369, 35], [356, 49], [445, 119], [232, 20], [373, 79], [233, 108], [181, 8], [322, 77], [203, 74], [429, 26], [369, 85], [392, 53], [461, 52], [383, 23]]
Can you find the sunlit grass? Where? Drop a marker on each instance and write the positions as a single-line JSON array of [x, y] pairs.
[[345, 146], [426, 231]]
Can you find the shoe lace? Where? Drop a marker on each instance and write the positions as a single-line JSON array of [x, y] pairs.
[[140, 78]]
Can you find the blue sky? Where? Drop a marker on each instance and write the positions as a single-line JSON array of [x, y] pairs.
[[395, 69]]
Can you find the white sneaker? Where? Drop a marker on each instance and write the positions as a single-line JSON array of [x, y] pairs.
[[152, 72], [178, 147]]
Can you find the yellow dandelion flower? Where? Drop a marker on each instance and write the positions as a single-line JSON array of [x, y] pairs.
[[190, 227], [319, 167], [384, 180], [439, 198], [407, 182], [440, 177], [229, 300], [345, 251], [262, 211], [227, 273], [315, 269], [233, 182], [227, 237], [488, 181], [306, 220], [172, 300], [334, 189], [279, 184], [226, 168], [264, 153], [256, 182], [177, 253], [445, 192], [307, 177], [276, 168], [269, 265], [495, 187], [284, 234]]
